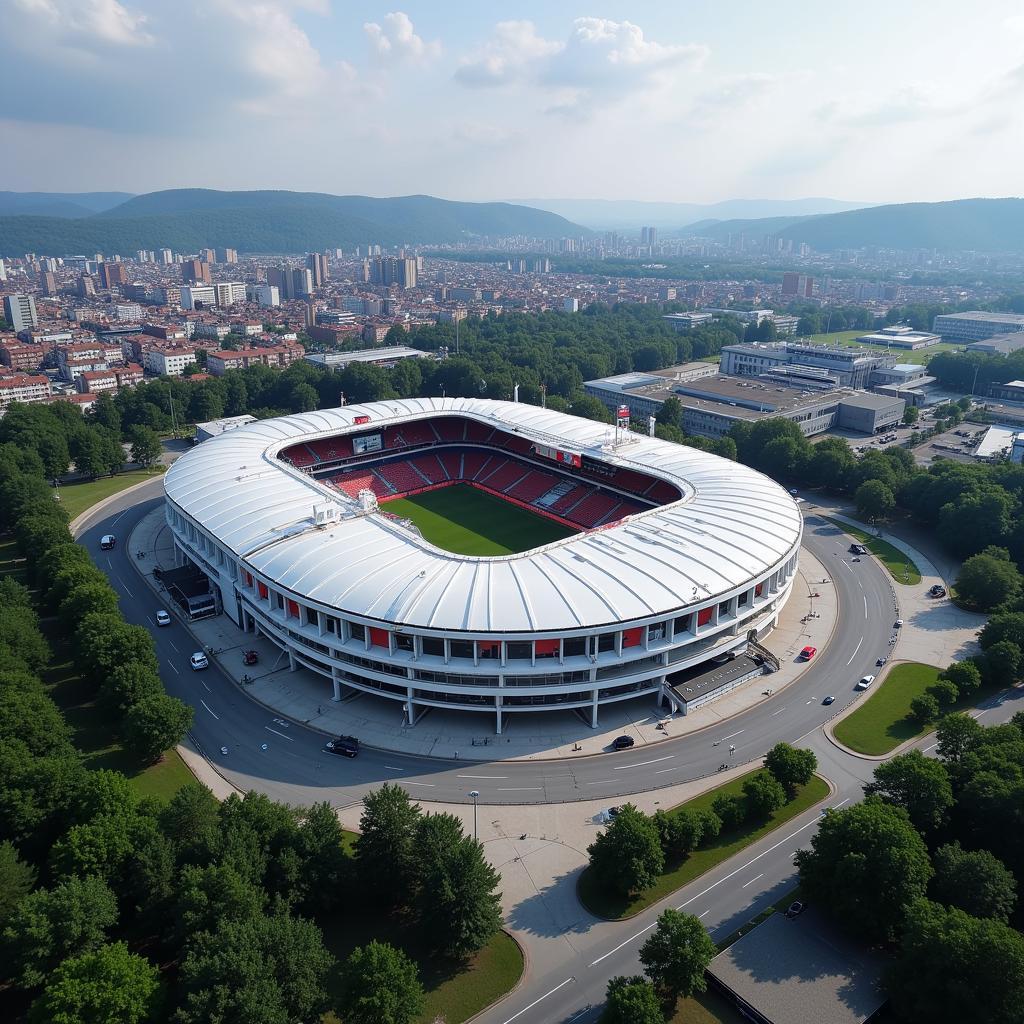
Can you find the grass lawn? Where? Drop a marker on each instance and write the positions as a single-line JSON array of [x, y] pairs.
[[76, 498], [92, 732], [455, 991], [469, 521], [900, 566], [848, 339], [707, 1008], [613, 907]]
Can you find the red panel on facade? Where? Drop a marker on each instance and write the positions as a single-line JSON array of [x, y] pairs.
[[704, 616], [632, 637], [293, 608], [546, 647], [247, 576], [378, 637], [488, 648], [262, 588], [759, 589]]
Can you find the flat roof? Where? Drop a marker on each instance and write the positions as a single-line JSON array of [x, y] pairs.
[[867, 400], [364, 355], [802, 971], [981, 314]]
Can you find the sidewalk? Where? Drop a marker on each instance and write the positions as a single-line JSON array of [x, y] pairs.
[[809, 618]]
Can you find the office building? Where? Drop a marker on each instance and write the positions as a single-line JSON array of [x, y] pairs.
[[20, 312], [195, 271], [302, 283], [687, 321], [797, 285], [648, 236], [976, 325], [113, 275], [999, 344], [166, 257], [280, 278], [198, 296], [900, 337], [316, 263], [229, 292], [227, 255], [386, 270], [805, 363]]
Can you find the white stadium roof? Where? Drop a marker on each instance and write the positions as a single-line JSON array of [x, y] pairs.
[[732, 524]]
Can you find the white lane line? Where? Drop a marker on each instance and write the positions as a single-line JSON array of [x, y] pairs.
[[811, 701], [123, 584], [752, 881], [519, 789], [730, 736], [661, 771], [640, 764], [392, 768], [429, 785], [205, 687], [536, 1001], [499, 777], [290, 739], [174, 645], [208, 708], [603, 782], [859, 584], [840, 804], [605, 956], [175, 667], [113, 522], [847, 564], [856, 649], [865, 606], [932, 747], [705, 914], [779, 712]]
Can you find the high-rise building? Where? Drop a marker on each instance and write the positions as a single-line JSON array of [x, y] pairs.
[[143, 256], [648, 236], [227, 255], [268, 295], [302, 283], [207, 255], [196, 296], [20, 312], [229, 292], [3, 271], [48, 265], [86, 286], [385, 270], [166, 257], [48, 282], [316, 262], [281, 279], [113, 275], [797, 285], [195, 271]]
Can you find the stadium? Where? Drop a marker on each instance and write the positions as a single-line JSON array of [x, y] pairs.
[[487, 556]]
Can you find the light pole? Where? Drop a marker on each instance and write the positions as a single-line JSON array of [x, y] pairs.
[[474, 793]]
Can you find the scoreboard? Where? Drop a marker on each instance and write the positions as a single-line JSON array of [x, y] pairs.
[[557, 455]]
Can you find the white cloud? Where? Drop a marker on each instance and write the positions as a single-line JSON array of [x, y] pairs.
[[86, 23], [514, 47], [396, 39]]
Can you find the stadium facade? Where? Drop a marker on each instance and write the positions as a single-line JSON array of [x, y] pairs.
[[678, 557]]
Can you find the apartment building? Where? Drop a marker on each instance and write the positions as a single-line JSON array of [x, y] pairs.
[[96, 381], [23, 388], [169, 361], [23, 357], [277, 356]]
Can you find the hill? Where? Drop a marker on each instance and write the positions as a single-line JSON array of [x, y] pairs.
[[987, 225], [631, 215], [265, 221], [59, 204]]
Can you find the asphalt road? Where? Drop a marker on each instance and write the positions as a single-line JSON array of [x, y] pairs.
[[569, 985], [293, 767]]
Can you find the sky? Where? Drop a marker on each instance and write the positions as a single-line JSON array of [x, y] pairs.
[[677, 100]]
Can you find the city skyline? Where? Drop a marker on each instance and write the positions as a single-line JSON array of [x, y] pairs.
[[641, 102]]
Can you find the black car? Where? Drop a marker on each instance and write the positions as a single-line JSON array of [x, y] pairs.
[[830, 699], [795, 909], [622, 742], [346, 746]]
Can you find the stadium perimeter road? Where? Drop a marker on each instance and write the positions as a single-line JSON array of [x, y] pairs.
[[293, 767]]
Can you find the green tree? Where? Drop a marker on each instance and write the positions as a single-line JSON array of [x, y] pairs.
[[918, 784], [964, 675], [386, 858], [985, 582], [52, 924], [924, 708], [20, 635], [107, 986], [379, 985], [1003, 662], [627, 856], [84, 599], [975, 881], [99, 847], [957, 735], [671, 413], [455, 885], [792, 766], [875, 500], [191, 821], [953, 967], [155, 724], [764, 794], [127, 685], [16, 881], [631, 1001], [911, 414], [867, 864], [944, 691], [731, 810], [145, 445], [677, 954], [325, 864], [212, 895]]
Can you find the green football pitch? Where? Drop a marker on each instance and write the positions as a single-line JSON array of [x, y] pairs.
[[469, 521]]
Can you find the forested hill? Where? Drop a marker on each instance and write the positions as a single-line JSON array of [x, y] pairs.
[[987, 225], [189, 219]]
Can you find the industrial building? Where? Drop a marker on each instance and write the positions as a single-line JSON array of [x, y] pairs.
[[976, 325], [900, 337], [838, 366]]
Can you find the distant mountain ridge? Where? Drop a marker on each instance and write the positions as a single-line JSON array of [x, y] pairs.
[[986, 225], [632, 214], [59, 204], [274, 221]]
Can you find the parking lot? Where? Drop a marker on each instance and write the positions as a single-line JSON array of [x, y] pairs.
[[957, 443]]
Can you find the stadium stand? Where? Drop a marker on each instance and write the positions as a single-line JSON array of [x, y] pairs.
[[592, 509], [450, 431], [473, 463], [570, 499], [354, 482], [402, 476], [504, 475], [479, 433], [531, 486]]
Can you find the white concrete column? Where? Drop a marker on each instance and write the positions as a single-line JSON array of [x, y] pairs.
[[337, 688], [292, 663], [593, 711]]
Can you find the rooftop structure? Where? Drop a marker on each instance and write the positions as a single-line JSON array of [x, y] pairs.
[[976, 325], [900, 337], [383, 356]]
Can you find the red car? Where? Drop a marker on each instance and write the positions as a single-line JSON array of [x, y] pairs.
[[808, 652]]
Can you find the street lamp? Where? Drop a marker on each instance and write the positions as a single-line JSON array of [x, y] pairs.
[[474, 793]]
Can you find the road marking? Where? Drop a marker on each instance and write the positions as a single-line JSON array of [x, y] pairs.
[[857, 648], [290, 739], [661, 771], [705, 914], [730, 736], [208, 708], [174, 645], [123, 584], [603, 782], [840, 804], [429, 785], [175, 667], [847, 564], [811, 701], [752, 881], [113, 522], [391, 767], [653, 924], [640, 764], [926, 749], [865, 606], [205, 687], [578, 1014], [536, 1001], [519, 789], [499, 777]]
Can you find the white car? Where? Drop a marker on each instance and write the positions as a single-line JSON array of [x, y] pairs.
[[865, 682], [163, 618], [199, 661], [898, 624]]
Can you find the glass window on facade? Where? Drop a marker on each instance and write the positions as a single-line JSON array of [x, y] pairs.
[[519, 650], [574, 647], [462, 649], [434, 646], [357, 630]]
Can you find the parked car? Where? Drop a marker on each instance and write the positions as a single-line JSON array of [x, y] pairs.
[[898, 624], [345, 746], [163, 618], [865, 682], [830, 699], [199, 661], [808, 652], [622, 742], [795, 909], [107, 541], [609, 815]]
